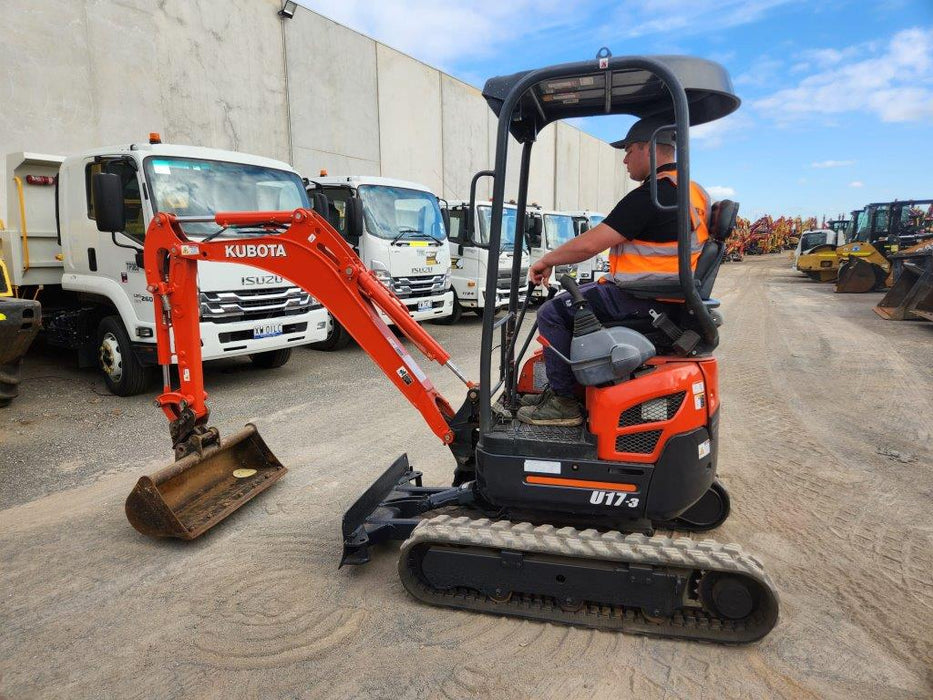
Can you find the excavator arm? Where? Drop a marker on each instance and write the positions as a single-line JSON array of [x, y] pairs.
[[302, 247]]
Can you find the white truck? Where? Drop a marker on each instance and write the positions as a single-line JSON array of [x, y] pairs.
[[469, 252], [594, 268], [91, 283], [398, 230], [555, 229]]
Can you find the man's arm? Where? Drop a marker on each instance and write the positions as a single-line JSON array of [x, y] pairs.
[[583, 247]]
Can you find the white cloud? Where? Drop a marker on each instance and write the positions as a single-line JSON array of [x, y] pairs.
[[894, 82], [720, 192], [683, 17], [832, 163], [713, 134], [441, 32], [856, 183]]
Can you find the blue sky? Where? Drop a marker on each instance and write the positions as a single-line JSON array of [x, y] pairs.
[[837, 96]]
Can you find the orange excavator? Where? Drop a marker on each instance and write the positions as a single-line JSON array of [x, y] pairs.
[[554, 524]]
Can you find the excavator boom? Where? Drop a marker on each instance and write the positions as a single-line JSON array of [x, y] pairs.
[[212, 478]]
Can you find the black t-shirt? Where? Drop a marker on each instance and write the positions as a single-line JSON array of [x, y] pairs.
[[636, 217]]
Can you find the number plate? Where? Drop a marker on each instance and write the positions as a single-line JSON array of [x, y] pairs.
[[267, 330], [425, 305]]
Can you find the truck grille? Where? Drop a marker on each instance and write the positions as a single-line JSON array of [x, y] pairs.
[[413, 287], [255, 304], [504, 279]]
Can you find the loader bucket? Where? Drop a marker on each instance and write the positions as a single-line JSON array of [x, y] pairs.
[[894, 304], [187, 498], [857, 276], [921, 304]]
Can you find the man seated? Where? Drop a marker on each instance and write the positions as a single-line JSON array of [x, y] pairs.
[[643, 248]]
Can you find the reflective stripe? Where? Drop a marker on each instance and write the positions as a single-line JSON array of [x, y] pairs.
[[657, 249], [640, 260], [622, 277]]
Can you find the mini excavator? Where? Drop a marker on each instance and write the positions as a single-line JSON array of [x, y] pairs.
[[549, 523]]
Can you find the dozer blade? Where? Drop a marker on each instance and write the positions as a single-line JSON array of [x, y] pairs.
[[189, 497], [857, 276]]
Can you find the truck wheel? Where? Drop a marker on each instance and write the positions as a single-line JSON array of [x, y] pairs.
[[123, 373], [271, 359], [337, 338], [455, 314]]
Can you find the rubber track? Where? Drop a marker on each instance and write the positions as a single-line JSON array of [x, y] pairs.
[[682, 553]]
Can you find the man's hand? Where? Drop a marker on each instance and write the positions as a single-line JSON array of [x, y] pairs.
[[540, 272]]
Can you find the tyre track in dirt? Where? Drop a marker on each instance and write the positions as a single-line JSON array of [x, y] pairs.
[[806, 489], [257, 608]]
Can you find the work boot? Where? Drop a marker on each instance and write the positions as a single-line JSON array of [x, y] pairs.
[[535, 399], [552, 410]]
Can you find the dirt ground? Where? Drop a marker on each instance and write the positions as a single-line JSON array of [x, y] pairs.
[[826, 449]]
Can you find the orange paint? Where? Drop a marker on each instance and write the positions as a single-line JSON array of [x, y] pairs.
[[580, 483]]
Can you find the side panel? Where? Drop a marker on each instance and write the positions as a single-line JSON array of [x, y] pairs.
[[567, 169], [465, 139], [633, 420], [410, 143], [332, 90]]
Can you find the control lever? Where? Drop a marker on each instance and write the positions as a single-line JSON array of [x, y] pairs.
[[570, 285]]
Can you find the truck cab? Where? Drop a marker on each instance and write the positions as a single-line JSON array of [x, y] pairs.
[[555, 229], [91, 283], [469, 251], [593, 268], [398, 231]]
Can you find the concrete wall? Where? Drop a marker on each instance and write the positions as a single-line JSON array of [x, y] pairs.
[[86, 73], [333, 101]]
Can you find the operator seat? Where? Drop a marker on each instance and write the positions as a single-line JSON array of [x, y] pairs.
[[722, 218]]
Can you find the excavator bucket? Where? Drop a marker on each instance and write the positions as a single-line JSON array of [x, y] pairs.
[[857, 276], [189, 497]]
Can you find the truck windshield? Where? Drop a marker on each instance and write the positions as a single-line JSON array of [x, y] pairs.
[[194, 187], [596, 219], [811, 239], [398, 213], [507, 235], [558, 229]]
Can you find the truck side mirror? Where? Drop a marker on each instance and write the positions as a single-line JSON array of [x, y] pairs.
[[354, 220], [319, 203], [534, 232], [445, 215], [107, 189]]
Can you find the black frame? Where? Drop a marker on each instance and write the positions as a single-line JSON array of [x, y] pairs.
[[526, 130]]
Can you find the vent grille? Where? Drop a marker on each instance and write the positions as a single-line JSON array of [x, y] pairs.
[[663, 408], [638, 443]]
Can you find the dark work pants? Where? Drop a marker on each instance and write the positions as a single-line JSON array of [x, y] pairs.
[[555, 322]]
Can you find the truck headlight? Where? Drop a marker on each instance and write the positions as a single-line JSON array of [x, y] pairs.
[[381, 273], [447, 281]]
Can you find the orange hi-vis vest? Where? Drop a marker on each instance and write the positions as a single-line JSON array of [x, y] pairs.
[[650, 261]]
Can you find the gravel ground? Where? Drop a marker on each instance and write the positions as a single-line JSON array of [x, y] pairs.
[[826, 450]]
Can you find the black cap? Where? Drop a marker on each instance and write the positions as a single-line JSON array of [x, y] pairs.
[[641, 133]]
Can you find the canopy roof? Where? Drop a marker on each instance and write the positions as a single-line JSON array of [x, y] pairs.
[[583, 89]]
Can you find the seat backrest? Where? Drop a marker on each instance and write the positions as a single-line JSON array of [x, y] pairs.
[[708, 266], [722, 219], [723, 215]]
